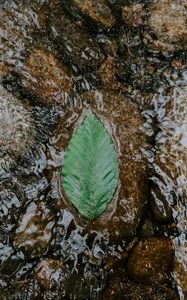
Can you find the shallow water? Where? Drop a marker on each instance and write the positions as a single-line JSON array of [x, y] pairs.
[[56, 64]]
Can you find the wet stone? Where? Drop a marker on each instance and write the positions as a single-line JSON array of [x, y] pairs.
[[4, 71], [120, 288], [17, 130], [170, 164], [77, 46], [10, 202], [86, 284], [167, 26], [19, 21], [133, 15], [11, 266], [34, 230], [48, 272], [159, 204], [108, 44], [180, 264], [124, 213], [94, 13], [150, 260], [107, 71], [148, 228], [134, 66], [45, 78]]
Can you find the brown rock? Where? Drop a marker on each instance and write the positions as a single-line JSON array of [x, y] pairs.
[[170, 164], [148, 228], [107, 72], [77, 46], [180, 264], [4, 71], [124, 123], [133, 15], [150, 260], [108, 44], [120, 287], [112, 263], [34, 230], [17, 130], [168, 21], [19, 21], [48, 272], [92, 12], [159, 204], [45, 78]]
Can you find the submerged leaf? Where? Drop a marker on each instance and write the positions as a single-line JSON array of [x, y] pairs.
[[90, 168]]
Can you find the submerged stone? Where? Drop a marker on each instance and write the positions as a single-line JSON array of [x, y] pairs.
[[167, 21], [94, 13], [17, 129], [45, 78], [77, 46], [150, 260], [48, 272], [169, 177], [19, 21], [180, 264], [107, 71], [34, 230], [133, 15], [121, 288]]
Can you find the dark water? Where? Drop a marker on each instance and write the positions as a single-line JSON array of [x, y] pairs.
[[126, 61]]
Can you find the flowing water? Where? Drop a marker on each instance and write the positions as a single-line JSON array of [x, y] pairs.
[[125, 61]]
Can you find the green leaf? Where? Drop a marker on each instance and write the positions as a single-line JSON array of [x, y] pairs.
[[90, 168]]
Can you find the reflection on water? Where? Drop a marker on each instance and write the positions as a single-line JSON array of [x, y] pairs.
[[127, 62]]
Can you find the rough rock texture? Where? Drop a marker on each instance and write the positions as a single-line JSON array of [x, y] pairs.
[[48, 81], [148, 228], [77, 46], [180, 263], [124, 123], [34, 230], [107, 72], [94, 13], [4, 71], [159, 206], [121, 288], [48, 272], [169, 191], [168, 22], [135, 68], [19, 22], [150, 259], [17, 130], [133, 15]]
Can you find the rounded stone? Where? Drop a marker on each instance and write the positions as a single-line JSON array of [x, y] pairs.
[[150, 260], [48, 81], [167, 21], [34, 230], [77, 47], [17, 129], [94, 13]]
